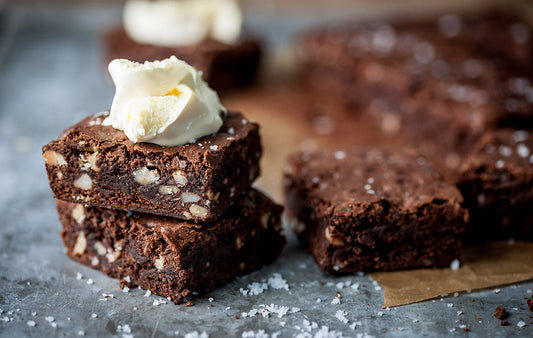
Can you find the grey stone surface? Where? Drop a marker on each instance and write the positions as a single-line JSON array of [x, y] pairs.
[[51, 75]]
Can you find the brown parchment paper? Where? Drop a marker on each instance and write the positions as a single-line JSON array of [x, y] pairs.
[[485, 266], [288, 123]]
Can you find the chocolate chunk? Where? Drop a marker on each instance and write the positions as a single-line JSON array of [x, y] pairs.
[[501, 313]]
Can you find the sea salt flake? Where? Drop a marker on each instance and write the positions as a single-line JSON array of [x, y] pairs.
[[94, 315], [148, 293], [522, 150], [277, 282], [49, 319], [90, 281], [450, 305], [30, 323], [505, 151], [339, 155], [341, 315], [497, 291], [79, 275], [336, 301], [124, 328], [455, 265], [214, 147], [521, 324]]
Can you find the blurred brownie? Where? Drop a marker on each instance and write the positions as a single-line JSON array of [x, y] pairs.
[[98, 165], [224, 66], [442, 82], [497, 184], [173, 258], [373, 210]]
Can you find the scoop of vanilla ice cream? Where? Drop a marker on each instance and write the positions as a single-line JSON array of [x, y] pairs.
[[182, 22], [163, 102]]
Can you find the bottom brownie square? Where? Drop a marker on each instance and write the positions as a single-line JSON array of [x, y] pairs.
[[496, 181], [170, 257], [373, 210]]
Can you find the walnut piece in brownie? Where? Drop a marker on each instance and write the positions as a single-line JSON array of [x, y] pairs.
[[496, 181], [225, 66], [441, 82], [373, 209], [173, 258], [98, 165], [501, 313]]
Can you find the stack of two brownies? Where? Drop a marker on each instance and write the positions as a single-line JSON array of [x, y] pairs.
[[174, 220]]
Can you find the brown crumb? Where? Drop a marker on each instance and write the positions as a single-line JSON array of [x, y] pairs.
[[500, 312], [477, 318], [504, 323], [530, 303], [465, 329], [322, 283], [363, 285], [211, 305], [236, 317], [189, 303], [473, 300]]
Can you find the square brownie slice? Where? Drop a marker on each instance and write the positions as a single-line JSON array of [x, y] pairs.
[[373, 210], [225, 66], [174, 258], [496, 181], [98, 165], [454, 76]]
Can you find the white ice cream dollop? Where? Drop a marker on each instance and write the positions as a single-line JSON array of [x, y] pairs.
[[163, 102]]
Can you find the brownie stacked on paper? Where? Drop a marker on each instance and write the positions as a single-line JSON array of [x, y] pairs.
[[173, 219]]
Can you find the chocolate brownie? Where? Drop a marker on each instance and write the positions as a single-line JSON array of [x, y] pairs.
[[373, 209], [496, 181], [174, 258], [98, 165], [441, 82], [224, 66]]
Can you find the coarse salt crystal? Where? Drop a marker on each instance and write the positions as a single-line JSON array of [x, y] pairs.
[[455, 264], [90, 281], [79, 275], [341, 315], [30, 323], [339, 155], [49, 319], [522, 150], [521, 324]]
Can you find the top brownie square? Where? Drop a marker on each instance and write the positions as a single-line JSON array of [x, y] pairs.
[[98, 165]]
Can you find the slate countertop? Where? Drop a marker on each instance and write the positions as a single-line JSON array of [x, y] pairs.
[[51, 76]]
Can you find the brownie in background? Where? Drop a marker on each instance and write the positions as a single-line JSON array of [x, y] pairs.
[[224, 66], [496, 181], [441, 82]]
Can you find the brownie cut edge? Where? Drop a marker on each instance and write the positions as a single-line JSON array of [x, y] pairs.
[[373, 210]]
